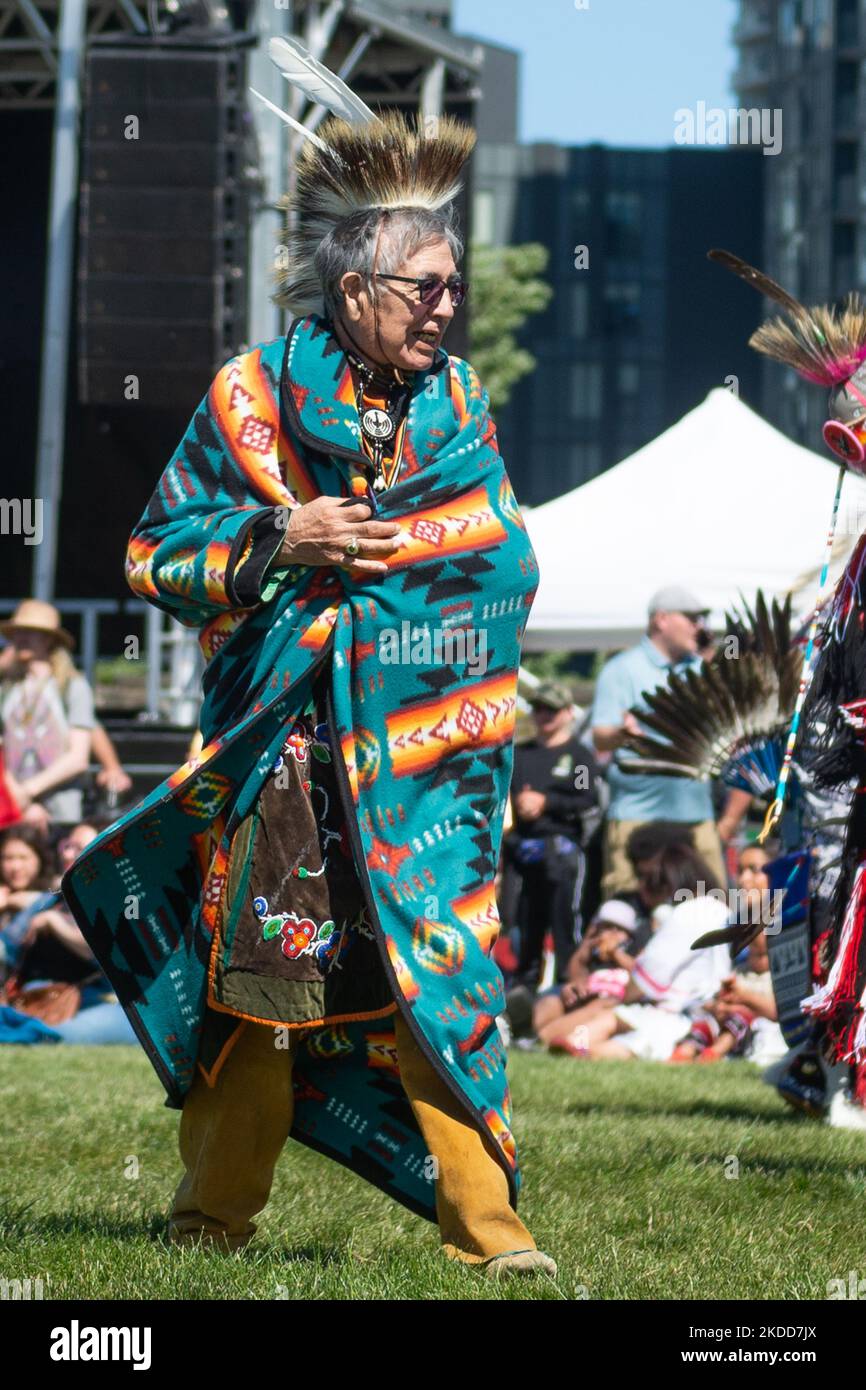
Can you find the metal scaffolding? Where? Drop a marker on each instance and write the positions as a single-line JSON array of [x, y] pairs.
[[30, 43]]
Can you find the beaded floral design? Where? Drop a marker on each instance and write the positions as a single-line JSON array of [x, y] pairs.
[[303, 937]]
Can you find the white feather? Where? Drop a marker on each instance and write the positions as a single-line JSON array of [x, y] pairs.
[[290, 120], [317, 82]]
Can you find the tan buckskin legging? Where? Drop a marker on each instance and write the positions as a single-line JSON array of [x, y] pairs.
[[232, 1134]]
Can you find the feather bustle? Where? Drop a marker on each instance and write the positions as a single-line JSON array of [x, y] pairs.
[[730, 718], [821, 343]]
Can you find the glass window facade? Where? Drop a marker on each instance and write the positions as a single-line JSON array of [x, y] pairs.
[[584, 393]]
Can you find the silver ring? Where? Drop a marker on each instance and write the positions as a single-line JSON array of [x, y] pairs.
[[351, 547]]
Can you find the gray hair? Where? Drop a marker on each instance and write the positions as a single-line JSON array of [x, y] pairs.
[[351, 245]]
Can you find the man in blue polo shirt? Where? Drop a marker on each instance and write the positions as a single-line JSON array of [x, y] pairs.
[[669, 645]]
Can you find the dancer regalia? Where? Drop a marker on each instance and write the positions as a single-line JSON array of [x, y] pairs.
[[732, 720], [299, 922]]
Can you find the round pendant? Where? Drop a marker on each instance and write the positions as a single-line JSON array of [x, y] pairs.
[[377, 423]]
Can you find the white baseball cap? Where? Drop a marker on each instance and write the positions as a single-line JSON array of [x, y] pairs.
[[616, 913], [675, 598]]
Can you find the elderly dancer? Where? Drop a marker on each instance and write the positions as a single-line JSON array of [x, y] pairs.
[[307, 954]]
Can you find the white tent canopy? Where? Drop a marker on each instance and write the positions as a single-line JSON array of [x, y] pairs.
[[721, 502]]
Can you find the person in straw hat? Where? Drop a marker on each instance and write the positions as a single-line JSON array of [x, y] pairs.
[[46, 713], [312, 958]]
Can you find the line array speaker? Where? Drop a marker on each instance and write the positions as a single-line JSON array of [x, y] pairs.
[[164, 218]]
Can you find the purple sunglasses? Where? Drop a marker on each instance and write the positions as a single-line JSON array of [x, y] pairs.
[[431, 288]]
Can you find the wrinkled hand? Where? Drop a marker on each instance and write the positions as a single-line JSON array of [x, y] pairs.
[[318, 531]]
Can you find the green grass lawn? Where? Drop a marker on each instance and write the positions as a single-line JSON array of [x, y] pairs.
[[624, 1183]]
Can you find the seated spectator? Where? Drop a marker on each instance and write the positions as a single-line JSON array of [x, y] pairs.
[[26, 867], [669, 980], [74, 842], [599, 968], [51, 987], [741, 1019], [644, 847]]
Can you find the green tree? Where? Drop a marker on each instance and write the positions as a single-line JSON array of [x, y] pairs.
[[506, 288]]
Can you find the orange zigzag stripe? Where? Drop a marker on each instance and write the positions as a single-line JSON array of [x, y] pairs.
[[475, 717], [454, 528]]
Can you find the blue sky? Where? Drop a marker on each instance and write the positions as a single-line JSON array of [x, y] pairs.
[[614, 72]]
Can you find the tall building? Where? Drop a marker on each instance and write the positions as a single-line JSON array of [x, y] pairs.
[[804, 59], [640, 326]]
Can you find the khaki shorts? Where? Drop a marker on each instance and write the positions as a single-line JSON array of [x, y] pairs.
[[618, 873]]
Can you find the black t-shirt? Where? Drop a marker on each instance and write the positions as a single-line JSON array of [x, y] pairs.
[[569, 777]]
